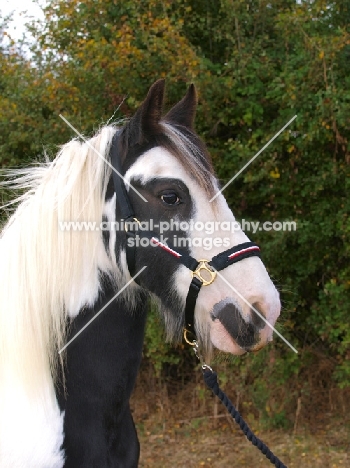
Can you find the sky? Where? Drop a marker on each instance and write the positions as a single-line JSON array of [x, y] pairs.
[[16, 28]]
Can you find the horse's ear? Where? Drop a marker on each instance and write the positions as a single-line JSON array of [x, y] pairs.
[[184, 112], [145, 122]]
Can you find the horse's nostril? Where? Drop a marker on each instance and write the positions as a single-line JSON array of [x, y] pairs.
[[245, 333], [258, 316]]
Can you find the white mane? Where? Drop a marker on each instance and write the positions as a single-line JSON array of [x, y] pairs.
[[47, 273]]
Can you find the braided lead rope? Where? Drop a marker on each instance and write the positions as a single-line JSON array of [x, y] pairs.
[[210, 378]]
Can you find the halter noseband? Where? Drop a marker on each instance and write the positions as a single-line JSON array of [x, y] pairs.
[[203, 271]]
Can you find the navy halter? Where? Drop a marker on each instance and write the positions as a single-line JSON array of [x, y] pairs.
[[203, 271]]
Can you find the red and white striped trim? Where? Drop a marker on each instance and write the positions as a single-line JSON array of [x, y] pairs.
[[243, 251], [157, 242]]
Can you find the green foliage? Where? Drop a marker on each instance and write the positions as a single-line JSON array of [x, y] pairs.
[[276, 60], [157, 350], [256, 64]]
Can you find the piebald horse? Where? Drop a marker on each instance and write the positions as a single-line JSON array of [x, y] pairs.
[[70, 260]]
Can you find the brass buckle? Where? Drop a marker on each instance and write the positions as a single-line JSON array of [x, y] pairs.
[[134, 220], [203, 265]]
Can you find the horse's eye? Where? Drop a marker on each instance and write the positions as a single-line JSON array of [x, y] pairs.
[[170, 198]]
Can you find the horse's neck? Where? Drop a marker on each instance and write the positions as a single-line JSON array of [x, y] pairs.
[[101, 369]]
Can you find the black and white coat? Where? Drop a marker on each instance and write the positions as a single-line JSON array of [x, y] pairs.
[[72, 409]]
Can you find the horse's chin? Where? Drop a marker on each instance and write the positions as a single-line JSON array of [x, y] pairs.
[[222, 340]]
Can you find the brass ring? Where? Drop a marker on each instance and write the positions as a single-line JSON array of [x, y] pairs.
[[191, 343]]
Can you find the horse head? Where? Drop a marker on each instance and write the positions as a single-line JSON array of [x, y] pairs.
[[177, 206]]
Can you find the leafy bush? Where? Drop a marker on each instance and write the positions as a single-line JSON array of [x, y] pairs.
[[256, 64]]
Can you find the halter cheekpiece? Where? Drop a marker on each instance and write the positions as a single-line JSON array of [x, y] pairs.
[[203, 271]]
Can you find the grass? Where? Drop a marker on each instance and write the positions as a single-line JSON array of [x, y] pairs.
[[189, 428], [190, 445]]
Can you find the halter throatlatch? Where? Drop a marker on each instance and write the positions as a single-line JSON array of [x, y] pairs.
[[203, 274]]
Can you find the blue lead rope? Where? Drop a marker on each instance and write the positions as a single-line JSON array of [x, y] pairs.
[[211, 380]]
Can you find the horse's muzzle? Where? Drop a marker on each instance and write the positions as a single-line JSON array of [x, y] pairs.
[[244, 330]]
